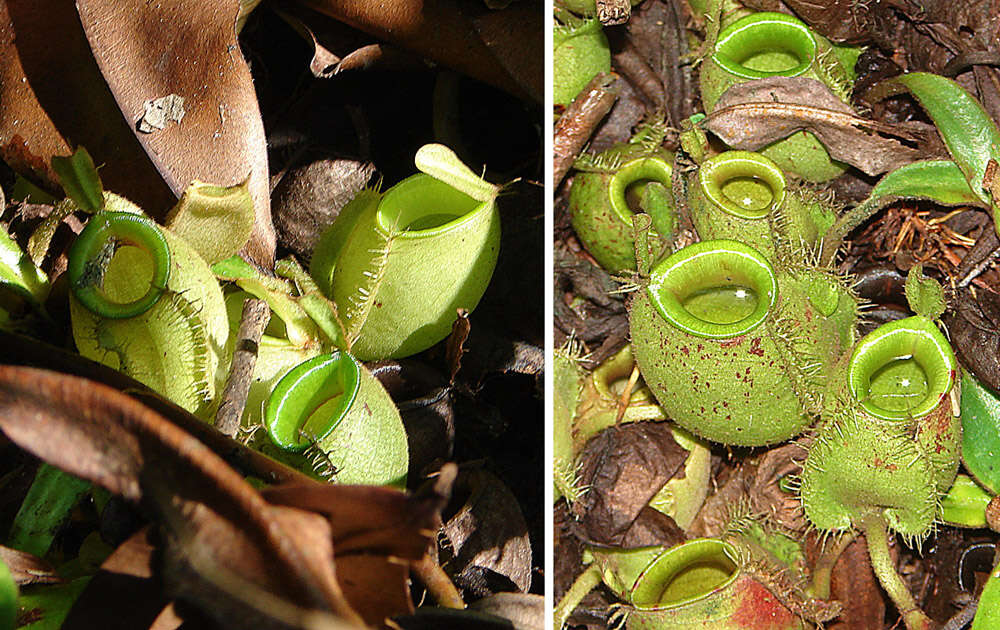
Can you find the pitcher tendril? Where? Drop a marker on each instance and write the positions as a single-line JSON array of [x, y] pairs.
[[93, 250]]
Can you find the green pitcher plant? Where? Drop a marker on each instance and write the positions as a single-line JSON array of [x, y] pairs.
[[744, 196], [614, 186], [399, 264], [580, 51], [143, 301], [733, 582], [888, 451], [335, 413], [702, 584], [770, 44], [734, 350]]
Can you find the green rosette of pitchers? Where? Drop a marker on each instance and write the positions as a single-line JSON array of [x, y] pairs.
[[400, 264], [745, 196], [735, 350], [769, 44]]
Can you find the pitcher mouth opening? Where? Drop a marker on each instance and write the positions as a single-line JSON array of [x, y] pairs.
[[765, 45], [421, 205], [310, 401], [743, 184], [714, 289], [902, 370], [626, 185], [686, 573]]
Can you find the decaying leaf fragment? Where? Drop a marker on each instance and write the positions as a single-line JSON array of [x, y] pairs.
[[754, 114], [623, 468], [157, 112]]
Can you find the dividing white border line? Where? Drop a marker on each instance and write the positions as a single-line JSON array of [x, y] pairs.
[[549, 339]]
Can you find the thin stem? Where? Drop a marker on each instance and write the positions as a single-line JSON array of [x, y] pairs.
[[627, 395], [585, 583], [437, 582], [877, 535], [823, 570], [845, 224], [253, 321]]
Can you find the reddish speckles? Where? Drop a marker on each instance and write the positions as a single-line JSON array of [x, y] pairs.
[[729, 343], [755, 347], [700, 347], [686, 351], [880, 463]]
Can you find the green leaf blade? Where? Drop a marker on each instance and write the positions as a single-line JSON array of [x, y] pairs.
[[981, 433], [968, 131], [80, 180]]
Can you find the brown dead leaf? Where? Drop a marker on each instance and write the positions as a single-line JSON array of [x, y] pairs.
[[487, 533], [754, 114], [657, 31], [309, 197], [844, 21], [974, 326], [766, 495], [53, 95], [189, 48], [624, 467], [854, 585], [455, 347], [526, 611], [21, 350], [126, 575]]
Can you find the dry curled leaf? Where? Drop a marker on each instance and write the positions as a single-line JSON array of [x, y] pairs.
[[974, 326], [101, 435], [623, 468], [26, 568], [754, 114], [53, 93]]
